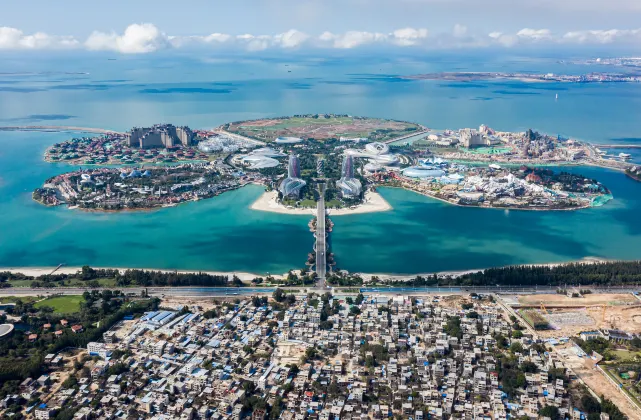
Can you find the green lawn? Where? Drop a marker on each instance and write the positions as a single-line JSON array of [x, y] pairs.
[[625, 355], [62, 304]]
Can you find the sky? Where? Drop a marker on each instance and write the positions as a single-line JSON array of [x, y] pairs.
[[147, 26]]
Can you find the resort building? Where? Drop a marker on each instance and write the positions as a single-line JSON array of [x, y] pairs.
[[160, 135], [292, 185], [349, 186]]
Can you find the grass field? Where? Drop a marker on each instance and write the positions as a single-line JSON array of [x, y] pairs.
[[305, 127], [62, 304], [625, 355]]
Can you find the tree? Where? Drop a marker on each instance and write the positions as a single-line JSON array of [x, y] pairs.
[[516, 347], [354, 310], [550, 411], [278, 295], [359, 299], [349, 300]]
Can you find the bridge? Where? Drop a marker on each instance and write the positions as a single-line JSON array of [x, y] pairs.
[[617, 146], [57, 128], [321, 238], [415, 133]]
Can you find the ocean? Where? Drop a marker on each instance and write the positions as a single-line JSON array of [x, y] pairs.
[[419, 235]]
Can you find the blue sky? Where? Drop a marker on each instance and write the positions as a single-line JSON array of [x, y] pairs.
[[257, 25]]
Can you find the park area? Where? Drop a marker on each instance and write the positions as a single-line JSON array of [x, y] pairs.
[[61, 304], [322, 127]]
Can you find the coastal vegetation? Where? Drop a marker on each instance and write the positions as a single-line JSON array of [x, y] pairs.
[[43, 330], [596, 274], [92, 277]]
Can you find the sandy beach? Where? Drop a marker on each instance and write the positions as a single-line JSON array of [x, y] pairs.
[[268, 201]]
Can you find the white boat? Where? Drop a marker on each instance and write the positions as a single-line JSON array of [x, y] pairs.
[[625, 155]]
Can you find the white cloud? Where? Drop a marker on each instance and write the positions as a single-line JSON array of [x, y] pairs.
[[147, 38], [15, 39], [535, 34], [351, 39], [291, 39], [460, 31], [137, 39], [408, 36], [603, 36]]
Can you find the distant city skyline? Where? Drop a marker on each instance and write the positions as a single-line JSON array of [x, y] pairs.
[[252, 26]]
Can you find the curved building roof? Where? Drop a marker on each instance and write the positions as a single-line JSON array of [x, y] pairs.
[[288, 140], [422, 172], [377, 148], [5, 329], [259, 161]]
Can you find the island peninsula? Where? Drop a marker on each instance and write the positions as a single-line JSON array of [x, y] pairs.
[[349, 156]]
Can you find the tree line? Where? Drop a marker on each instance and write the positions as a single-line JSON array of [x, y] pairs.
[[596, 274]]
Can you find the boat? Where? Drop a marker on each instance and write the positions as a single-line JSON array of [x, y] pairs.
[[625, 155]]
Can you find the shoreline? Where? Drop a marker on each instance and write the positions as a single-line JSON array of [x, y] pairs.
[[489, 207], [247, 277], [374, 203]]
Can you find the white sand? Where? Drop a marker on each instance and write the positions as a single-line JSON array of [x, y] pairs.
[[268, 201], [374, 202]]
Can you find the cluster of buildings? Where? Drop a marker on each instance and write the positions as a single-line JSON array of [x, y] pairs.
[[140, 145], [160, 135], [495, 186], [225, 143], [317, 359], [115, 188]]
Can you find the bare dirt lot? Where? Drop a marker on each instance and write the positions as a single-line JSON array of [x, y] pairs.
[[573, 315], [594, 379], [590, 299]]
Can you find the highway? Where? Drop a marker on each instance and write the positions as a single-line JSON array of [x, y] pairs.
[[321, 237], [204, 291]]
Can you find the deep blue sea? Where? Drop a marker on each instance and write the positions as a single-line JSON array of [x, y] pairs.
[[419, 235]]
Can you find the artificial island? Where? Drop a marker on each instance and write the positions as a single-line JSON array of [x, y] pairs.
[[341, 157]]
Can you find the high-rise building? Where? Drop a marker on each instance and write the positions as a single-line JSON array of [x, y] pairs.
[[470, 138], [349, 186], [293, 168], [320, 167], [160, 135], [291, 186]]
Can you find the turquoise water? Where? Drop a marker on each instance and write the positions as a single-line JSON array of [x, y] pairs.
[[419, 235]]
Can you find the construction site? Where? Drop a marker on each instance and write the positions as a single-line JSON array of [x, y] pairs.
[[574, 312]]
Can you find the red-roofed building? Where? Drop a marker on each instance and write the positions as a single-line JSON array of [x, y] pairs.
[[58, 333], [33, 337], [76, 328], [64, 322], [533, 178], [46, 326]]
